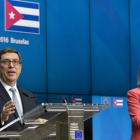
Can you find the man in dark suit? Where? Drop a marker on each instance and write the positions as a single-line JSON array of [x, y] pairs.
[[10, 68]]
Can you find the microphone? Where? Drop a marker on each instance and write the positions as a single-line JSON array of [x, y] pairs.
[[44, 97]]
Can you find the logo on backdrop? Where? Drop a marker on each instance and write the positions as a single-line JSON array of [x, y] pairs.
[[22, 16], [61, 97], [105, 100], [77, 100], [118, 102]]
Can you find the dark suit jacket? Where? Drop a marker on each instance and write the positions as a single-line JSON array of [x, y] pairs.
[[27, 103]]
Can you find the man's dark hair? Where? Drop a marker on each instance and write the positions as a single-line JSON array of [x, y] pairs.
[[9, 50]]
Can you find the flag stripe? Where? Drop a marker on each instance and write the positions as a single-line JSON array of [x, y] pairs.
[[24, 29], [119, 100], [77, 99], [24, 4], [119, 104], [30, 17], [27, 11], [27, 23]]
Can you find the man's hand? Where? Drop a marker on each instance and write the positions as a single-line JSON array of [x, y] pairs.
[[7, 110]]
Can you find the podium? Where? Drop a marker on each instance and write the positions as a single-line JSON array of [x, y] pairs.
[[64, 122]]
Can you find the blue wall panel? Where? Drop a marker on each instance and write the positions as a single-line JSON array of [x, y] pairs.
[[68, 46], [110, 47], [41, 98], [135, 39], [83, 45]]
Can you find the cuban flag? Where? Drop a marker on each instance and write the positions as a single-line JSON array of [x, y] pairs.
[[22, 16], [77, 100], [118, 102]]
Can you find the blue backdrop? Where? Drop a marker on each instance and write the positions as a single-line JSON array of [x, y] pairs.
[[112, 123], [85, 48]]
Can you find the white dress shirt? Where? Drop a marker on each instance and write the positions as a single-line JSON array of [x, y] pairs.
[[7, 87]]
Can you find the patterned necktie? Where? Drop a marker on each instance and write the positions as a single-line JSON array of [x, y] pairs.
[[16, 103]]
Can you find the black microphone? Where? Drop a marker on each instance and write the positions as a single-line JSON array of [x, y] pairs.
[[44, 97]]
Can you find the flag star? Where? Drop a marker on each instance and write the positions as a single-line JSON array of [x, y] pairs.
[[11, 15]]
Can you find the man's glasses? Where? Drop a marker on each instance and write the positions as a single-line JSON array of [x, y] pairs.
[[7, 62]]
